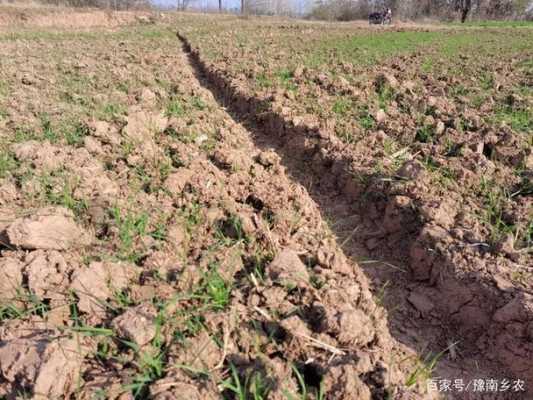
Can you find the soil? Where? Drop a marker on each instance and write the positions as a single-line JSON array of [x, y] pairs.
[[448, 286], [16, 17], [170, 232]]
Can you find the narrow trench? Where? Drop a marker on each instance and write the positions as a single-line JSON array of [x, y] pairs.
[[388, 276]]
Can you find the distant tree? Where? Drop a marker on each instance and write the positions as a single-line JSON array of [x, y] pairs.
[[414, 9], [464, 7], [183, 4], [528, 13]]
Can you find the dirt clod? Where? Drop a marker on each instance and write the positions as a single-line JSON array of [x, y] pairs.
[[49, 367], [288, 269], [10, 278], [50, 228], [137, 324], [421, 302]]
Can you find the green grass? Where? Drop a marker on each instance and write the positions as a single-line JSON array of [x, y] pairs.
[[4, 88], [23, 134], [458, 90], [230, 231], [285, 77], [123, 86], [92, 331], [494, 200], [215, 290], [122, 300], [258, 261], [160, 231], [58, 189], [130, 227], [390, 146], [192, 213], [520, 120], [148, 363], [424, 370], [427, 65], [366, 120], [8, 163], [3, 113], [495, 24], [145, 33], [524, 89], [48, 133], [342, 106], [198, 103], [527, 236], [441, 175], [151, 179], [24, 304], [175, 109], [452, 45], [100, 394], [157, 33], [73, 133], [111, 112], [49, 35], [253, 386], [56, 131], [74, 83], [526, 65], [305, 392], [479, 99], [425, 134], [346, 135], [264, 81], [150, 368], [525, 187], [192, 325], [385, 96], [482, 44], [369, 47], [486, 80]]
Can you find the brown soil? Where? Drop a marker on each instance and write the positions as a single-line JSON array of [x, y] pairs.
[[444, 290], [168, 232], [157, 252], [12, 16]]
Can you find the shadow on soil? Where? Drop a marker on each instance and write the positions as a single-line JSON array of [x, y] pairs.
[[429, 315]]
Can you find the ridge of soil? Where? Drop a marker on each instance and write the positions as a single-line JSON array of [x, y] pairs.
[[58, 18]]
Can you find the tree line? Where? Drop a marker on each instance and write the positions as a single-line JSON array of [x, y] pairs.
[[345, 10]]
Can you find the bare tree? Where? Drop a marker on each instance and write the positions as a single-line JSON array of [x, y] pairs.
[[528, 12], [464, 7], [182, 4]]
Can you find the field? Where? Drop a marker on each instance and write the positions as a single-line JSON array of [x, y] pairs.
[[213, 207]]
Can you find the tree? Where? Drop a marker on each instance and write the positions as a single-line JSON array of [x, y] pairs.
[[464, 7], [182, 4]]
